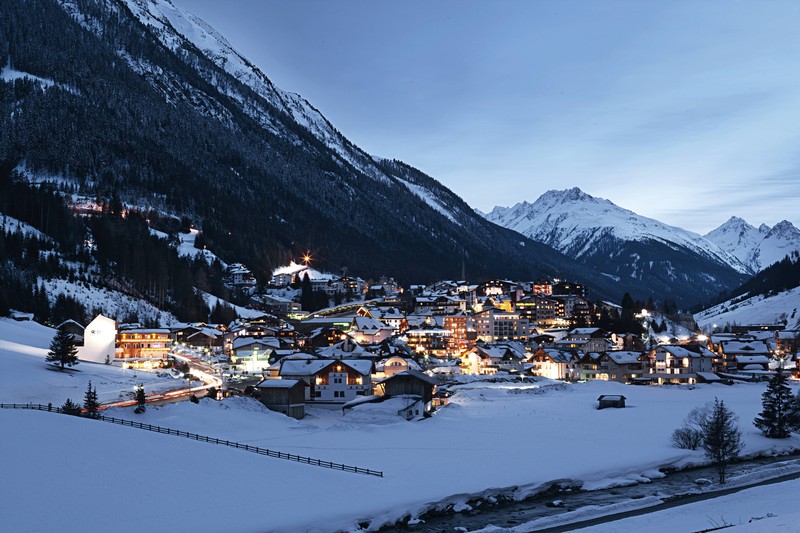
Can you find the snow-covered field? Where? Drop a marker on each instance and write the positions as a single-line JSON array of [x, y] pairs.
[[26, 378], [492, 437], [755, 310]]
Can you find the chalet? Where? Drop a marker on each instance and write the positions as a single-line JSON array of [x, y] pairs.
[[555, 364], [143, 344], [735, 353], [788, 342], [394, 365], [679, 364], [253, 354], [331, 381], [285, 396], [73, 328], [585, 339], [347, 348], [411, 383], [587, 367], [622, 366], [489, 359], [367, 330], [199, 335]]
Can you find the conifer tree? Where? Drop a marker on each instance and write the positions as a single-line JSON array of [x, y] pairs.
[[90, 403], [722, 439], [141, 400], [779, 415], [63, 351], [70, 408]]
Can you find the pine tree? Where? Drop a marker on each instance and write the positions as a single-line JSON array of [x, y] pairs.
[[141, 400], [722, 439], [779, 415], [63, 351], [90, 403]]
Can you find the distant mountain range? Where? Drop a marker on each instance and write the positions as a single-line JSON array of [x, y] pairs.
[[757, 248], [622, 245]]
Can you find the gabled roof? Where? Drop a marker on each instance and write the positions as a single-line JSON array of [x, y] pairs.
[[309, 367], [415, 374], [241, 342], [280, 383], [624, 357]]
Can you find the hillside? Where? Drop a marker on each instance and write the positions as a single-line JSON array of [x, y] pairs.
[[149, 104], [772, 296]]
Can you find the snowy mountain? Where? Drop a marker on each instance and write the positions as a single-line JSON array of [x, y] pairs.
[[173, 119], [622, 244], [756, 247]]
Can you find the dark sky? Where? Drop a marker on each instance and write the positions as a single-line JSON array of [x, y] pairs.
[[688, 112]]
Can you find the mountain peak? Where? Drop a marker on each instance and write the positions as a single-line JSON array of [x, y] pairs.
[[574, 194]]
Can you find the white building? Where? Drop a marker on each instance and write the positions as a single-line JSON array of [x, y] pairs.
[[99, 340]]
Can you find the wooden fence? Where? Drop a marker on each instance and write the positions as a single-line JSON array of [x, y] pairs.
[[203, 438]]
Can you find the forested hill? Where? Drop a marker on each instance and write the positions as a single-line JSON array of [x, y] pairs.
[[95, 100]]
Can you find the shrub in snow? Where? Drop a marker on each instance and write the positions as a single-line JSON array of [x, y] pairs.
[[687, 438], [71, 408]]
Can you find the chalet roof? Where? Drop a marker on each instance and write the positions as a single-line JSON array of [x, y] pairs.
[[415, 374], [612, 397], [558, 356], [147, 331], [745, 348], [370, 325], [413, 365], [624, 357], [309, 367], [241, 342], [752, 359], [280, 383], [680, 351], [585, 331]]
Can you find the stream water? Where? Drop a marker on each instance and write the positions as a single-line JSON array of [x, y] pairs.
[[510, 514]]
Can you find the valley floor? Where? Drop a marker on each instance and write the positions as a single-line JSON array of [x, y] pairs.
[[72, 474]]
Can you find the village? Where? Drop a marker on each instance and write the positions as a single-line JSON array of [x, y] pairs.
[[385, 341]]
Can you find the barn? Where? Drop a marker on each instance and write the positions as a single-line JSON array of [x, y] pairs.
[[285, 396]]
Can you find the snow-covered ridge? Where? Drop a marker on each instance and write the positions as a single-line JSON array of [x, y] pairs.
[[759, 247], [572, 221], [176, 28]]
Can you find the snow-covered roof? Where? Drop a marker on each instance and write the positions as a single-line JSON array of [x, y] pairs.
[[624, 357], [279, 383], [241, 342], [752, 347], [752, 359]]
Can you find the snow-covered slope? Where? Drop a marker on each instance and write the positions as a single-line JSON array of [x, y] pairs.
[[177, 28], [759, 309], [756, 247], [572, 222]]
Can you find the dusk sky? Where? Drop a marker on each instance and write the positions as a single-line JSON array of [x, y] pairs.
[[688, 112]]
